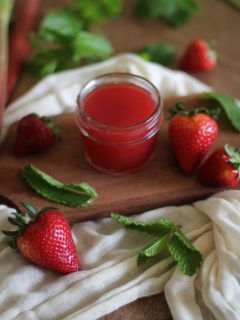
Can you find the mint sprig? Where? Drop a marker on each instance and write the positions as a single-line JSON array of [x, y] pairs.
[[71, 194], [161, 53], [174, 12], [64, 38], [170, 238], [230, 106]]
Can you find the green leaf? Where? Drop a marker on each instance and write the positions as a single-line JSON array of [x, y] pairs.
[[235, 3], [15, 222], [152, 250], [43, 63], [63, 41], [170, 237], [229, 105], [64, 22], [88, 45], [178, 233], [95, 11], [158, 52], [73, 195], [158, 228], [187, 257], [173, 12], [68, 52]]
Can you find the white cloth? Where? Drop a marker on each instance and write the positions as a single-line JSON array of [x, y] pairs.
[[57, 93], [107, 251]]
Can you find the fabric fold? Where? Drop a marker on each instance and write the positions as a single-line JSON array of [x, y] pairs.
[[107, 251], [57, 93], [111, 278]]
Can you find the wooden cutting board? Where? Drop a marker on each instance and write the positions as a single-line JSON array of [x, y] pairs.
[[159, 184]]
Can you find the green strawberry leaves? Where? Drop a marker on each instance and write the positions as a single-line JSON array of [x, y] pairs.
[[71, 194], [179, 108], [170, 238], [234, 155]]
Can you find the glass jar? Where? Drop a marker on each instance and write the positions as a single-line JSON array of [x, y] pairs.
[[119, 116]]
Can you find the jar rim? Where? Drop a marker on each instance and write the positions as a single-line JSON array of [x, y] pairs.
[[123, 75]]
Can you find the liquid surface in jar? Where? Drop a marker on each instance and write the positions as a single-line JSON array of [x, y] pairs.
[[119, 104]]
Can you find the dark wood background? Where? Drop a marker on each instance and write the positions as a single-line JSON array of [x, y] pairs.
[[217, 20]]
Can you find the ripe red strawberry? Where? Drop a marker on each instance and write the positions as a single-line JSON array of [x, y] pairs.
[[34, 134], [45, 239], [222, 168], [191, 134], [199, 56]]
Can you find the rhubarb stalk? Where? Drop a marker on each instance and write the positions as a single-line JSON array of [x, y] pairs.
[[26, 18], [5, 14]]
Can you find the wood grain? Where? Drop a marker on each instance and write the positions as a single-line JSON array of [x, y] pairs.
[[159, 184]]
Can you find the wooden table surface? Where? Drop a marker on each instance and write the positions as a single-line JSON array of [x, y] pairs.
[[216, 20]]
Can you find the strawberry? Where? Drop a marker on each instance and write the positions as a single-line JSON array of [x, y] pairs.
[[222, 168], [45, 239], [191, 134], [199, 56], [34, 134]]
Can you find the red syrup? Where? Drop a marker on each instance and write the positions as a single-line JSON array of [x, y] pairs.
[[119, 122]]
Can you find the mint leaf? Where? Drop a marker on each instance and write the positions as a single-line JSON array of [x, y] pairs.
[[152, 250], [68, 52], [187, 243], [170, 237], [73, 195], [63, 40], [235, 3], [95, 11], [89, 45], [158, 52], [229, 105], [64, 22], [158, 228], [173, 12], [187, 257]]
